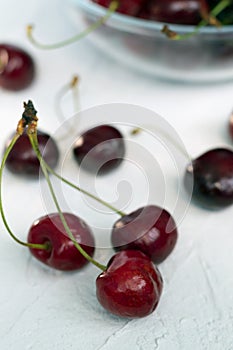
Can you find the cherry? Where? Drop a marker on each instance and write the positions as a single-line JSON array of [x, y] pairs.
[[131, 286], [62, 254], [100, 149], [22, 159], [17, 68], [212, 177], [127, 7], [150, 229], [174, 11]]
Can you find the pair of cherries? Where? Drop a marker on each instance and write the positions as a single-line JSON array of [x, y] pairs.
[[170, 11]]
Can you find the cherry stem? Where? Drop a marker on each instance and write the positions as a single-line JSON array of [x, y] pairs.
[[72, 85], [99, 200], [167, 136], [215, 12], [206, 15], [34, 143], [112, 8], [5, 156]]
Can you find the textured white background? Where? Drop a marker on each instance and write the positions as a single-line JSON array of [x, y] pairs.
[[41, 308]]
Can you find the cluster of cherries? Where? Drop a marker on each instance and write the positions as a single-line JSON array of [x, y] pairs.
[[171, 11], [131, 284]]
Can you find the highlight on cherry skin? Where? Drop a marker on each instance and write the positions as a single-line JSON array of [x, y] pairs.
[[22, 159], [131, 285], [17, 68], [212, 173], [172, 11], [61, 253], [100, 149], [150, 229]]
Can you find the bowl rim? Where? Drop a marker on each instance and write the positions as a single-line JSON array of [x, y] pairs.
[[138, 23]]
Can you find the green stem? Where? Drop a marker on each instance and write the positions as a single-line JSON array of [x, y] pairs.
[[99, 200], [215, 12], [34, 143], [5, 156], [112, 8]]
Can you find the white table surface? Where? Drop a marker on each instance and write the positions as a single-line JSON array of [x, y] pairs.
[[41, 308]]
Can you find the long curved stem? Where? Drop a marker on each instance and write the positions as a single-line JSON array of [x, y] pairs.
[[112, 8], [99, 200], [29, 245], [166, 135], [34, 143]]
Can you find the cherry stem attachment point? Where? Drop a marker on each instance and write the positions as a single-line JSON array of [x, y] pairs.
[[112, 9], [215, 12], [34, 143]]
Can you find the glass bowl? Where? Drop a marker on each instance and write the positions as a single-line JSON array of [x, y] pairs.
[[204, 57]]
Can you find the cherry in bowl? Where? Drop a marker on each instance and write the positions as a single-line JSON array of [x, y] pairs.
[[61, 253], [173, 11], [22, 159], [127, 7], [17, 68], [100, 149], [131, 286]]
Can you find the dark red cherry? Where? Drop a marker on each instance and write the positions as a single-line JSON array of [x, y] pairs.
[[150, 229], [22, 159], [62, 255], [211, 176], [17, 68], [100, 149], [174, 11], [131, 286], [127, 7]]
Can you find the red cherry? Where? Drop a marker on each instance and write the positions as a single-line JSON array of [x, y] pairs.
[[127, 7], [100, 149], [150, 229], [174, 11], [211, 176], [22, 159], [63, 255], [131, 286], [17, 68]]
